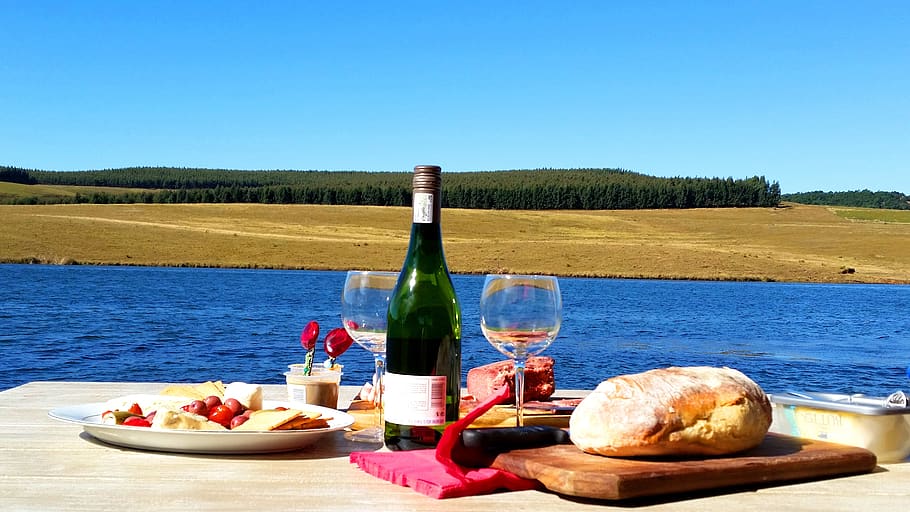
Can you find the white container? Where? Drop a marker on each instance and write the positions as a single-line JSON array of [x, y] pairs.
[[855, 420], [319, 388]]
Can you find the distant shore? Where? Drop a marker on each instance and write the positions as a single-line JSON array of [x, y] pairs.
[[796, 243]]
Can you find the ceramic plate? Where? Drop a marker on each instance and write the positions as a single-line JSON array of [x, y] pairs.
[[200, 441]]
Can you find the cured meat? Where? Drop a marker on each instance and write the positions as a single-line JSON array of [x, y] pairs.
[[540, 382]]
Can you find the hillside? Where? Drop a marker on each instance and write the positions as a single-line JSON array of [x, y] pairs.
[[794, 243]]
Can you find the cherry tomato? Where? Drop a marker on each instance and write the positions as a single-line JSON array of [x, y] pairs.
[[151, 417], [235, 405], [309, 335], [337, 341], [137, 421], [222, 415], [135, 409], [236, 421]]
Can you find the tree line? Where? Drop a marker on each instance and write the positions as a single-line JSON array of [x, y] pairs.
[[856, 198], [536, 189]]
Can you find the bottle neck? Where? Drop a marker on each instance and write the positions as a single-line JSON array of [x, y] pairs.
[[426, 233], [426, 206], [425, 247]]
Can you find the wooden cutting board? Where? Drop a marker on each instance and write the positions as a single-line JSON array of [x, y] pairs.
[[567, 470]]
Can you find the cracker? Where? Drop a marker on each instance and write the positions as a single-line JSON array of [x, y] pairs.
[[210, 388], [305, 423], [268, 419], [183, 390]]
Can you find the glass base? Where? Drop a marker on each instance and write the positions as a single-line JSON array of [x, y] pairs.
[[367, 435]]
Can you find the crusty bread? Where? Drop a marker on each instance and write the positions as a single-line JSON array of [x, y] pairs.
[[672, 411]]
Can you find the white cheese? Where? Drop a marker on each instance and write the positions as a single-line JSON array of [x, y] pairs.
[[250, 395]]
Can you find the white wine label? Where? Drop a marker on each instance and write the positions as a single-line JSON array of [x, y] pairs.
[[414, 399], [423, 208]]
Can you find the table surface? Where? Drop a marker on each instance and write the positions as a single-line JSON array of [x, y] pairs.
[[51, 465]]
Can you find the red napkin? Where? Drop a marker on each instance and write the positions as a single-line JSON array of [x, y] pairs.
[[434, 473]]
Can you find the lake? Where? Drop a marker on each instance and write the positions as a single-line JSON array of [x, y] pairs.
[[189, 325]]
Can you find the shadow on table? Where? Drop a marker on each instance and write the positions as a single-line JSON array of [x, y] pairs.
[[332, 445]]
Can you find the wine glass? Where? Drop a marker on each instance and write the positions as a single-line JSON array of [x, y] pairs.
[[364, 314], [520, 315]]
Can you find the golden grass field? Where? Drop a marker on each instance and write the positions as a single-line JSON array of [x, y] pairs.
[[794, 243]]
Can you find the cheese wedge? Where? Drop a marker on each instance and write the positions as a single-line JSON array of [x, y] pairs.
[[267, 419], [171, 419]]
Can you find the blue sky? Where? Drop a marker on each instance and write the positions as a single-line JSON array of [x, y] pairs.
[[812, 94]]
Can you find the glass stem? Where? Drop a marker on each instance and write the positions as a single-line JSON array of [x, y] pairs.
[[519, 391], [377, 385]]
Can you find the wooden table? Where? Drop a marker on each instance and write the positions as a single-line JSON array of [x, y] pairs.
[[49, 465]]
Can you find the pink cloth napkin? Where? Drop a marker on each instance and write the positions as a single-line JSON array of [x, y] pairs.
[[434, 473]]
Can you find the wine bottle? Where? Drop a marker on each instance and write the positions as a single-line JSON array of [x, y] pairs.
[[422, 382]]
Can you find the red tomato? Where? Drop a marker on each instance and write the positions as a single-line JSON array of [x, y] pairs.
[[309, 335], [137, 421], [135, 409], [337, 341], [222, 415], [235, 405]]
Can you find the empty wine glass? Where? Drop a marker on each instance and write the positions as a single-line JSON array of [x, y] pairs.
[[364, 314], [520, 315]]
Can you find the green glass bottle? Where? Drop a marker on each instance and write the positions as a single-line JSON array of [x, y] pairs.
[[423, 343]]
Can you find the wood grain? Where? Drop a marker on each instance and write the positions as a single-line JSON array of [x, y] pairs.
[[567, 470]]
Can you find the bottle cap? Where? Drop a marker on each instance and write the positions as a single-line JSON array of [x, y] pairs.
[[427, 178]]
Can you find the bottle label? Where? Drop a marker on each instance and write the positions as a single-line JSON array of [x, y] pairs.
[[423, 208], [417, 400]]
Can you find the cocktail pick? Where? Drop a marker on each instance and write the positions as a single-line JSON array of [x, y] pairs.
[[308, 341], [337, 341]]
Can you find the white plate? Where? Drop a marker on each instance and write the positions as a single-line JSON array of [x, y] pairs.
[[201, 441]]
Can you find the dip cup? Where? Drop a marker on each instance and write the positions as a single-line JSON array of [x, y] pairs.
[[318, 388]]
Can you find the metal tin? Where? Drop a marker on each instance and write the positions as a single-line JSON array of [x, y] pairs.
[[859, 404], [879, 424]]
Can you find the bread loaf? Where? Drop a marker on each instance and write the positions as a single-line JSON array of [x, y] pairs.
[[672, 411]]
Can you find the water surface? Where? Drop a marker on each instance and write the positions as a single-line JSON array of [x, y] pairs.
[[189, 325]]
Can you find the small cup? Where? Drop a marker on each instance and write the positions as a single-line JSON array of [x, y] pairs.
[[318, 388]]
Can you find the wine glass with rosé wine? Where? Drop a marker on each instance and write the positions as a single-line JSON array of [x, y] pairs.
[[364, 314], [520, 315]]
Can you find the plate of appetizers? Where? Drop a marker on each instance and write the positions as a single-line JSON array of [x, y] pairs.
[[276, 427]]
